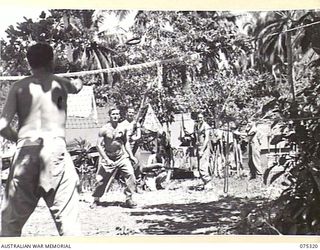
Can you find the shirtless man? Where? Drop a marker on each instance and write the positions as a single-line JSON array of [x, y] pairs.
[[116, 155], [202, 136], [41, 166]]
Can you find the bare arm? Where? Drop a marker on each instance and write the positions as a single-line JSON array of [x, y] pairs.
[[259, 137], [187, 133], [206, 139], [102, 152], [137, 135], [127, 147], [73, 86], [237, 132], [152, 164], [10, 134], [8, 112]]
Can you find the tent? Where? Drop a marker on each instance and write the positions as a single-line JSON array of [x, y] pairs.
[[84, 118]]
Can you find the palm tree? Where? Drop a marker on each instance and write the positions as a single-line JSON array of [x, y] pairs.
[[90, 46], [276, 38]]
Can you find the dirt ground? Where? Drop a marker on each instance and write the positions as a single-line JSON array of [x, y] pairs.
[[181, 209]]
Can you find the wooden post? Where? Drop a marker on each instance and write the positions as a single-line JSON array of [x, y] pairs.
[[226, 169]]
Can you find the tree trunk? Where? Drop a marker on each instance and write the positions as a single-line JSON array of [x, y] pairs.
[[160, 75], [187, 79], [290, 64]]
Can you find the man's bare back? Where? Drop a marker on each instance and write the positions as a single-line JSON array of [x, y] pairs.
[[41, 104], [42, 107], [41, 166]]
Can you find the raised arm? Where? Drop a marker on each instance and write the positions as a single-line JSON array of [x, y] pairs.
[[73, 85], [8, 112]]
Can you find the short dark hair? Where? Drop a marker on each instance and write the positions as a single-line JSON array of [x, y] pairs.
[[131, 107], [113, 109], [40, 55]]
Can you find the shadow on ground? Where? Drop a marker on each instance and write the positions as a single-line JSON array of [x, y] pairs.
[[228, 215]]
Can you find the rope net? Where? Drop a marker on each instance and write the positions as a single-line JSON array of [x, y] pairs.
[[140, 66]]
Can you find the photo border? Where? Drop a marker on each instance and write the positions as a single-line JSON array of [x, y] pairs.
[[235, 5]]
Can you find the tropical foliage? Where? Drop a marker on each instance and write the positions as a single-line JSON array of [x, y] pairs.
[[85, 163], [205, 63]]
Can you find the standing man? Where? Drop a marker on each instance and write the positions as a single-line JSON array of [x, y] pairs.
[[237, 151], [218, 152], [42, 167], [202, 136], [133, 129], [116, 155], [254, 140]]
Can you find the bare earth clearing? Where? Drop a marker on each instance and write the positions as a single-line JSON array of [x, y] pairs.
[[181, 209]]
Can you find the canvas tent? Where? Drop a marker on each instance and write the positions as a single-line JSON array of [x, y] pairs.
[[176, 129], [84, 118]]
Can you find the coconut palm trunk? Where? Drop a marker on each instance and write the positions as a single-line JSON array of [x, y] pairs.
[[290, 64]]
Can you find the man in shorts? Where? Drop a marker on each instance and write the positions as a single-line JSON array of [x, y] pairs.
[[116, 155], [41, 166]]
